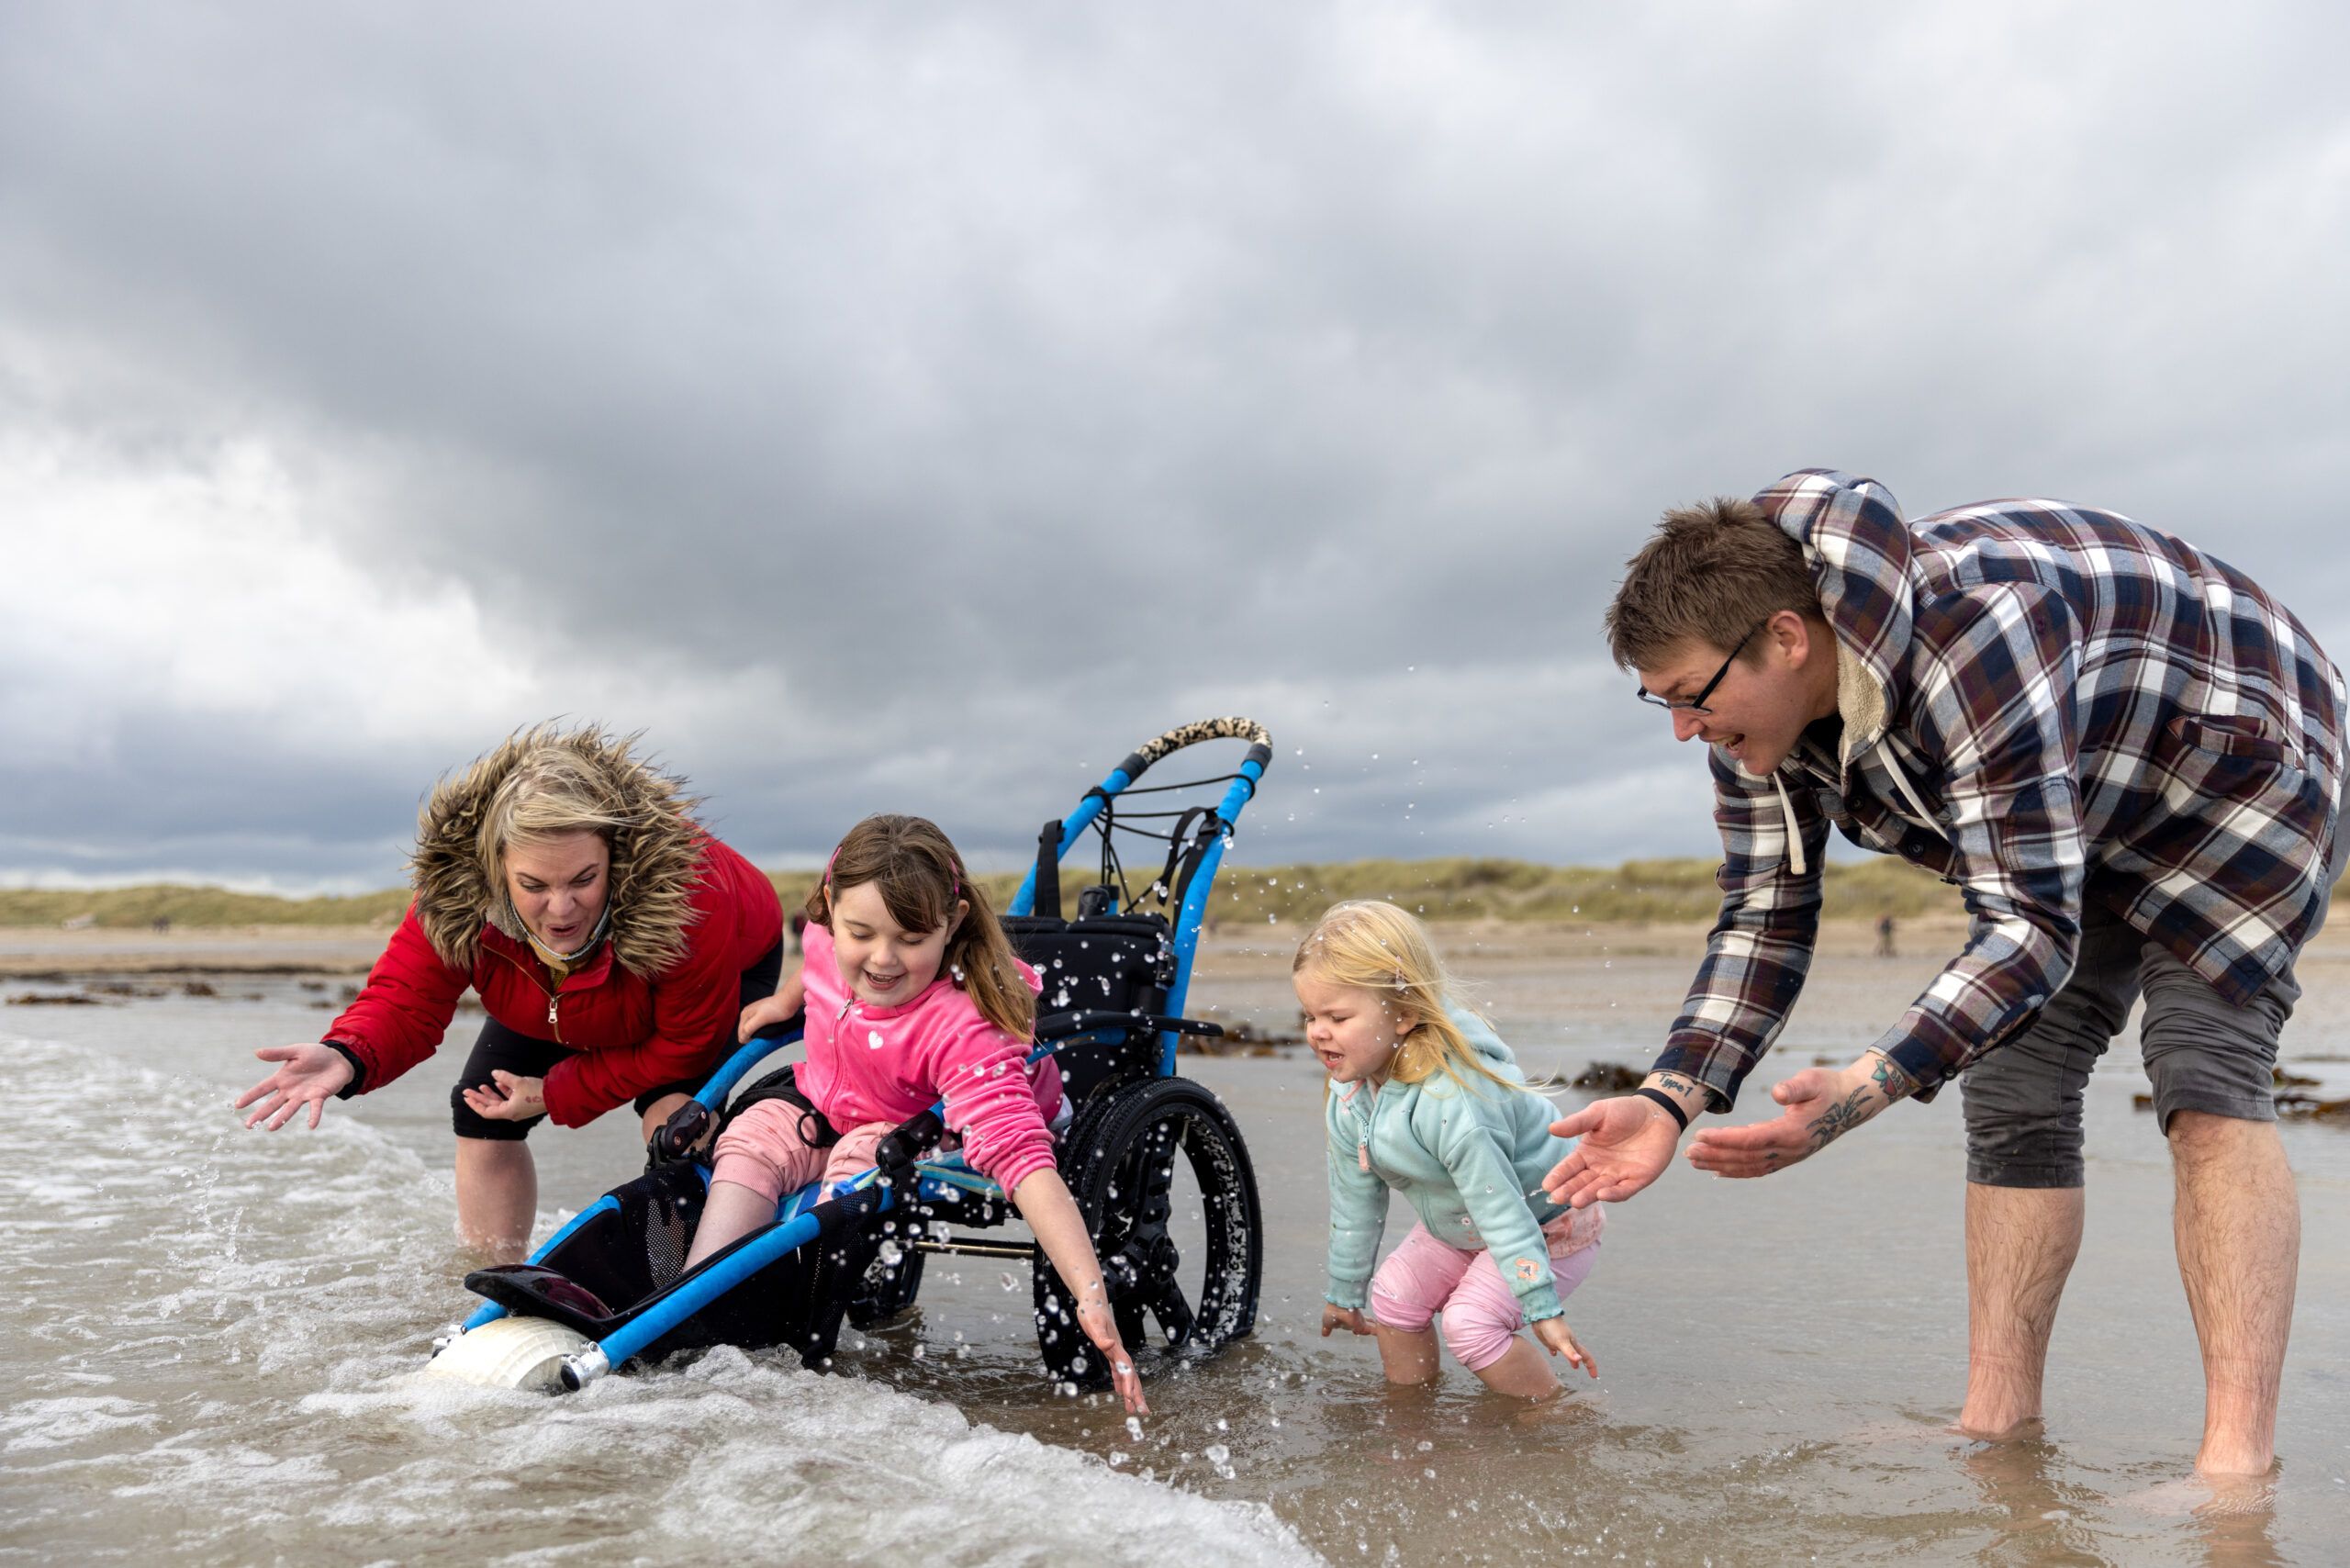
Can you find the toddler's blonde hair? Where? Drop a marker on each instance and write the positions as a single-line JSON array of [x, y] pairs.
[[1372, 946]]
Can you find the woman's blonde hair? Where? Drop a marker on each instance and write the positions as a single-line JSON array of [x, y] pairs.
[[554, 789], [1375, 947], [921, 879]]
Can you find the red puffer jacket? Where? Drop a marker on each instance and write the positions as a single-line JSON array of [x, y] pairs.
[[652, 1005]]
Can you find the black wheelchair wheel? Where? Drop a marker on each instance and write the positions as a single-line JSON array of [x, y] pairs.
[[1163, 1180], [888, 1286]]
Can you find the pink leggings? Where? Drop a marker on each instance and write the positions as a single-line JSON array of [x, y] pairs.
[[762, 1150], [1424, 1276]]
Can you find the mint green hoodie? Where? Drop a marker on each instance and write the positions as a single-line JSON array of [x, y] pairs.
[[1469, 1157]]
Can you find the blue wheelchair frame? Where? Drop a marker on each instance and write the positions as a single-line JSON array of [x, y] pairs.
[[904, 1180]]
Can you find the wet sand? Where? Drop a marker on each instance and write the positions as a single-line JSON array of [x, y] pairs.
[[243, 950], [218, 1333]]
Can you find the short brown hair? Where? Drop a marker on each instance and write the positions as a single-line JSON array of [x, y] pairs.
[[1710, 574]]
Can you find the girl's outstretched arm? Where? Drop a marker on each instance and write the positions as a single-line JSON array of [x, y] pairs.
[[1043, 1202], [1358, 1217]]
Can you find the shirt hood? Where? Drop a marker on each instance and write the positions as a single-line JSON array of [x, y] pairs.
[[1862, 555], [1485, 1042]]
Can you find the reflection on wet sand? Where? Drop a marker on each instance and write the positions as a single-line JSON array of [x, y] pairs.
[[1779, 1360]]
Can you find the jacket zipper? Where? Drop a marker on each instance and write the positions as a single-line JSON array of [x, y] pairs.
[[553, 1022]]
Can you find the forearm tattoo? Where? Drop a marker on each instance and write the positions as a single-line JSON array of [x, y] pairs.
[[1838, 1119], [1891, 1079]]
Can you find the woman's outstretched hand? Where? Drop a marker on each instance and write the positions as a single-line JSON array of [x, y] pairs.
[[508, 1097], [308, 1074], [1627, 1142], [1101, 1325]]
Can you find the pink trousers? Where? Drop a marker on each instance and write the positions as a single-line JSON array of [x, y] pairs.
[[763, 1150], [1424, 1277]]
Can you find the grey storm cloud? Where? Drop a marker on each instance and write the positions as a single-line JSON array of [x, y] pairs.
[[901, 408]]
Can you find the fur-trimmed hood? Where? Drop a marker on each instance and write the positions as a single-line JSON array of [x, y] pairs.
[[656, 857]]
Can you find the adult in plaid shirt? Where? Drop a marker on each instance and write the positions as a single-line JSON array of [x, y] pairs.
[[2125, 753]]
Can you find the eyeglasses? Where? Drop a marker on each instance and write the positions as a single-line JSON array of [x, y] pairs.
[[1697, 704]]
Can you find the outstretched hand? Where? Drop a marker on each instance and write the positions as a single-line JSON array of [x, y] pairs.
[[1560, 1340], [1821, 1104], [1101, 1325], [1350, 1319], [508, 1097], [309, 1075], [1626, 1143], [789, 998]]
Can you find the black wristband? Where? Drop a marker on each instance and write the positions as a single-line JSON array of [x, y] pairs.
[[358, 1070], [1680, 1116]]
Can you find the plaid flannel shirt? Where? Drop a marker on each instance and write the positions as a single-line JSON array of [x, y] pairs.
[[2084, 708]]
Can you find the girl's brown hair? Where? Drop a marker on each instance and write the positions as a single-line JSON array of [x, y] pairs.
[[922, 879]]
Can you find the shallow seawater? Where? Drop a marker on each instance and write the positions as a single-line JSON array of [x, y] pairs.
[[215, 1338]]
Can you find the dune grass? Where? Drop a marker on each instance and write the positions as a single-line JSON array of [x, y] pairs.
[[1461, 889], [127, 908], [1455, 890]]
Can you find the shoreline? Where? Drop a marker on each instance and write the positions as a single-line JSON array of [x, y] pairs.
[[37, 953], [46, 954]]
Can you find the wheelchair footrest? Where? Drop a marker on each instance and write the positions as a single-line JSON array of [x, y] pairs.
[[527, 1289]]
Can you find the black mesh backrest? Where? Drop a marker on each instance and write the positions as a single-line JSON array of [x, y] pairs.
[[1113, 963]]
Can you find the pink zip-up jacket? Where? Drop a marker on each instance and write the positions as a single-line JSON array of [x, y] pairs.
[[885, 1064]]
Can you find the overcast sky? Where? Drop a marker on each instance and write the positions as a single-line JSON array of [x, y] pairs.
[[914, 407]]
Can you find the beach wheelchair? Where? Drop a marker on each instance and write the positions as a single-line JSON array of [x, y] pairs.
[[610, 1287]]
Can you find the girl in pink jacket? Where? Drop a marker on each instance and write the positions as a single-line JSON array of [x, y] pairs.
[[913, 995]]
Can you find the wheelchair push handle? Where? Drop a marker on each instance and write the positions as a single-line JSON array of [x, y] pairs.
[[1233, 728]]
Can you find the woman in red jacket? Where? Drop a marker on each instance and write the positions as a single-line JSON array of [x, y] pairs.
[[612, 942]]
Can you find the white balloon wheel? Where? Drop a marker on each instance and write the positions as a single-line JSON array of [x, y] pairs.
[[510, 1352]]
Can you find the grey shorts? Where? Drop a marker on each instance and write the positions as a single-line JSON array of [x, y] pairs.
[[2023, 1100]]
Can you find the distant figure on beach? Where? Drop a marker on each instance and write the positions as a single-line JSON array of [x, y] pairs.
[[2130, 758], [611, 940], [1884, 937], [1425, 1099]]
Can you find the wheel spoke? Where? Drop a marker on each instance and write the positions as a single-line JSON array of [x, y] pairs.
[[1158, 1152], [1131, 1328], [1174, 1314]]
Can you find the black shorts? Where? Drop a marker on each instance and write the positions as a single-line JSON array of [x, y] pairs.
[[499, 1047]]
